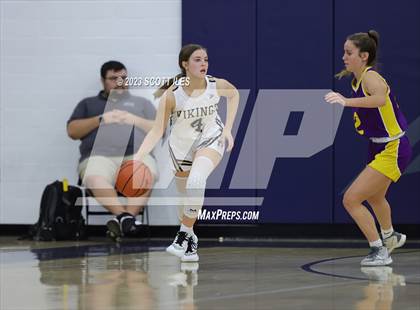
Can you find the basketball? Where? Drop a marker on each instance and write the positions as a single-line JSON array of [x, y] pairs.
[[133, 179]]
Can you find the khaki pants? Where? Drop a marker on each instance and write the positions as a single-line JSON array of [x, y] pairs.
[[107, 167]]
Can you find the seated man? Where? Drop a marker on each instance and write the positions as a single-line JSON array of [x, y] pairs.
[[111, 127]]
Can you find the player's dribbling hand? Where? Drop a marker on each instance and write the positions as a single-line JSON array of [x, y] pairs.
[[333, 97], [227, 136], [137, 158]]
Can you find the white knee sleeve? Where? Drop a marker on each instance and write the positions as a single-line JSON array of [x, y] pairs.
[[196, 186]]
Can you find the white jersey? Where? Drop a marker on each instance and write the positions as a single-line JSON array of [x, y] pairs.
[[195, 123]]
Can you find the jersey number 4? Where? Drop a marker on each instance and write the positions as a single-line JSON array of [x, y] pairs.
[[198, 125]]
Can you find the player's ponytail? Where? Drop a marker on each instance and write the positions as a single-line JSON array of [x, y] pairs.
[[342, 73], [184, 55], [374, 35]]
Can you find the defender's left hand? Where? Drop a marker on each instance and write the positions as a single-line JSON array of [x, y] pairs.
[[333, 97]]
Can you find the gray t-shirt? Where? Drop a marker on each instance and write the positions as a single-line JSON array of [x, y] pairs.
[[112, 139]]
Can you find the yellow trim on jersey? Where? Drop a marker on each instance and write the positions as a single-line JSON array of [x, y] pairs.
[[356, 87], [386, 162]]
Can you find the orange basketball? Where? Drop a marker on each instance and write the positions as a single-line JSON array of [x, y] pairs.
[[133, 179]]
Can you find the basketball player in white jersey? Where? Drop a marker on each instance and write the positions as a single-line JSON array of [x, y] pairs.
[[197, 136]]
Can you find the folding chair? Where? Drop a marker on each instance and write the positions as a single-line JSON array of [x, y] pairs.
[[89, 200]]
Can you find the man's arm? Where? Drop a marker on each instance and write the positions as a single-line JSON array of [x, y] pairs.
[[79, 128]]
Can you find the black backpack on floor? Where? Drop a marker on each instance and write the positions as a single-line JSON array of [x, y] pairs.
[[59, 216]]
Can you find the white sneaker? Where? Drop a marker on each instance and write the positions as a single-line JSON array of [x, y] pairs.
[[190, 254], [378, 256], [396, 240], [179, 246]]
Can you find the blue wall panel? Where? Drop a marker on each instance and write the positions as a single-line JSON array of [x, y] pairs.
[[295, 52], [227, 29], [294, 44]]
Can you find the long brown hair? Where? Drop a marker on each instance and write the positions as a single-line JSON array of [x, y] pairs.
[[184, 55], [365, 42]]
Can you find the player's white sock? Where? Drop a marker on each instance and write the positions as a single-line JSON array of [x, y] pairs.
[[187, 229], [387, 232], [376, 243]]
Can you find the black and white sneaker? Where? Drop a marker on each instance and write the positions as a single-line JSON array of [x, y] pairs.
[[190, 254], [129, 225], [179, 246]]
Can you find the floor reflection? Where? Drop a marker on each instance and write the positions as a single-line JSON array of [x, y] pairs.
[[141, 275], [106, 277], [379, 293]]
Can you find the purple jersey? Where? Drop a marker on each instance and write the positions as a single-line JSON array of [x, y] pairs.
[[384, 121]]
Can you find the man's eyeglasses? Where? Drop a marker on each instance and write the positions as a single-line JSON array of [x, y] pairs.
[[116, 78]]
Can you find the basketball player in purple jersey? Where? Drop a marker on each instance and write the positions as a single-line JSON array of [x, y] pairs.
[[378, 117]]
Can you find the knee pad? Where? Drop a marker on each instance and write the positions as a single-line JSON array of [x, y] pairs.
[[194, 198], [196, 182], [192, 211], [196, 186]]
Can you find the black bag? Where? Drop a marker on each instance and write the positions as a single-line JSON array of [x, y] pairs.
[[59, 216]]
